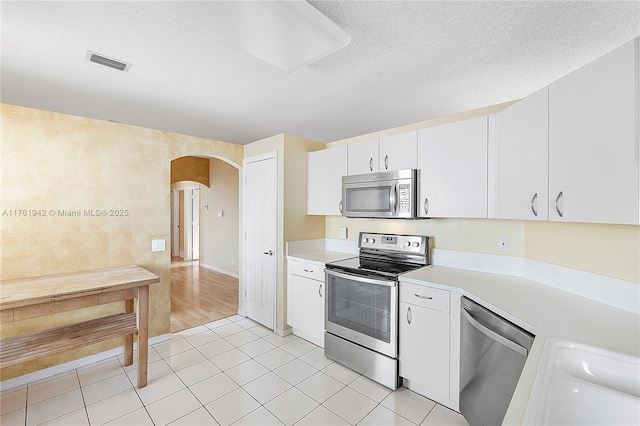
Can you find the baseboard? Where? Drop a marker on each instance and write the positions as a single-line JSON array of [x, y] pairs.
[[72, 365], [222, 271], [283, 333]]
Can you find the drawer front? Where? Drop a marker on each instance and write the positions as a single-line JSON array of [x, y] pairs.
[[428, 297], [308, 270]]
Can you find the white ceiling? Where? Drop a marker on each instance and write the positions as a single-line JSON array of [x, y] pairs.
[[407, 62]]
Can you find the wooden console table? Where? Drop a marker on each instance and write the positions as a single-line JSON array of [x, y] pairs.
[[34, 297]]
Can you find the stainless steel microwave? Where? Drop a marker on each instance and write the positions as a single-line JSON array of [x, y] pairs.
[[380, 195]]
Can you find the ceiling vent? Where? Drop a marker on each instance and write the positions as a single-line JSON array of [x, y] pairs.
[[107, 62]]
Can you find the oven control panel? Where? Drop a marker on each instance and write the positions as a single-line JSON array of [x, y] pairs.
[[414, 244]]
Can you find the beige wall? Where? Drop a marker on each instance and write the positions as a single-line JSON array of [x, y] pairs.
[[611, 250], [219, 236], [54, 162], [293, 222]]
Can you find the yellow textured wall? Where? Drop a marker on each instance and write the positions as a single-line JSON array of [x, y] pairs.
[[190, 168], [54, 163]]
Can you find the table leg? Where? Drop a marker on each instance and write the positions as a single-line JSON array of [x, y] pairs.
[[128, 339], [143, 334]]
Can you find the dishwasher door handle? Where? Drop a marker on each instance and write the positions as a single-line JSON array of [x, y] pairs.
[[494, 336]]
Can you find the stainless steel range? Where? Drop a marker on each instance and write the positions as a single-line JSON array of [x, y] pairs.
[[361, 303]]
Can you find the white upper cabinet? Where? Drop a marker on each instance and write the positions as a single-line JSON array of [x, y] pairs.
[[519, 160], [324, 180], [362, 157], [593, 141], [399, 152], [452, 163]]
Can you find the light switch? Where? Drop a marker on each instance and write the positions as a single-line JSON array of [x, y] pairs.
[[220, 213], [158, 245], [343, 232]]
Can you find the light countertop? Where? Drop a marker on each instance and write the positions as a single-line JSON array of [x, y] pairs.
[[321, 257], [543, 310]]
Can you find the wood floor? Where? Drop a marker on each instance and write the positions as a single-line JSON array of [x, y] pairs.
[[200, 295]]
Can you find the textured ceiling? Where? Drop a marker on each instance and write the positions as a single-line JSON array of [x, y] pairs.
[[407, 62]]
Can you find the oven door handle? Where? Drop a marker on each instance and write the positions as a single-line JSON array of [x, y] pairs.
[[391, 282]]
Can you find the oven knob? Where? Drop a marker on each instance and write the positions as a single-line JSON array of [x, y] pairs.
[[407, 244], [373, 240], [366, 240], [416, 244]]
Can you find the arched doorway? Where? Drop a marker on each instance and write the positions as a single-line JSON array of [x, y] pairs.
[[204, 279]]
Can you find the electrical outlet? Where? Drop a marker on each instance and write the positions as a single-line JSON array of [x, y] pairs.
[[343, 232], [503, 244]]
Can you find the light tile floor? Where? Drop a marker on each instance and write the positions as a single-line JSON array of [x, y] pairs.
[[231, 371]]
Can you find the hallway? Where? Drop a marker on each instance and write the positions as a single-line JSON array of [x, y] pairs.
[[200, 295]]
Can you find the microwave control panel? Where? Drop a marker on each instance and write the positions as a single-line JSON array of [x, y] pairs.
[[404, 198]]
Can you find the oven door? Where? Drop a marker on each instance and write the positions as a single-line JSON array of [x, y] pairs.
[[362, 310]]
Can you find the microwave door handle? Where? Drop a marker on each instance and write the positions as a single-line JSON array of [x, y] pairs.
[[393, 199]]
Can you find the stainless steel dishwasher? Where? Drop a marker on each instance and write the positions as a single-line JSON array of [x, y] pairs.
[[492, 354]]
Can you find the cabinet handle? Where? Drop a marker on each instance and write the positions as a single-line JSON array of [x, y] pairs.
[[426, 206], [409, 315], [320, 290], [419, 296], [533, 204], [340, 207], [560, 195], [386, 162], [371, 163], [309, 271]]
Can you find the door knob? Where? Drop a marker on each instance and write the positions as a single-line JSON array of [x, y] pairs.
[[270, 252]]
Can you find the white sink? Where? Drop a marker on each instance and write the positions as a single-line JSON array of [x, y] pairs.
[[579, 384]]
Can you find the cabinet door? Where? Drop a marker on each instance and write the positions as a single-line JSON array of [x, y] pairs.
[[520, 153], [452, 163], [424, 347], [305, 308], [362, 157], [593, 141], [324, 180], [399, 152]]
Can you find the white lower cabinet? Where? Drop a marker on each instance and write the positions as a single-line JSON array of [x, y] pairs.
[[429, 342], [305, 300]]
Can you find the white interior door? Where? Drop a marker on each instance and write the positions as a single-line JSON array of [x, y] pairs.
[[260, 196], [195, 224], [188, 220], [175, 222]]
